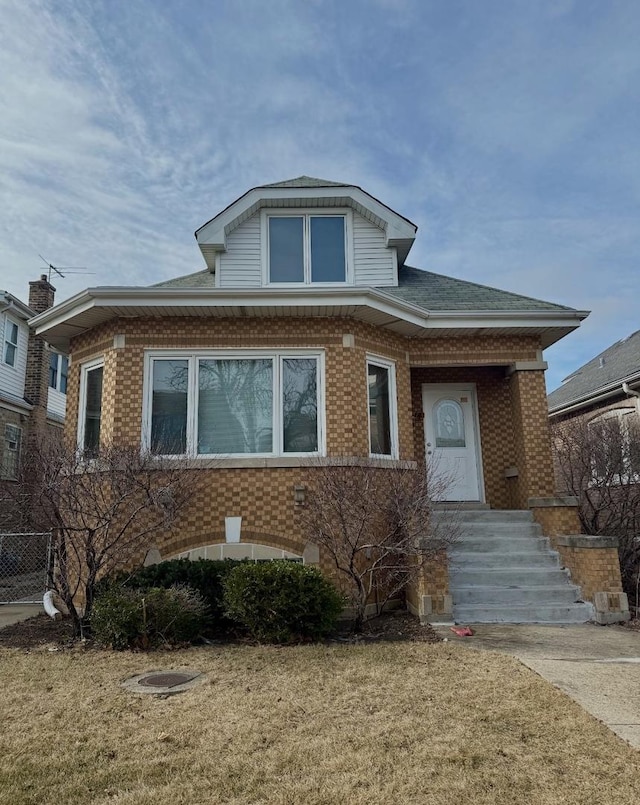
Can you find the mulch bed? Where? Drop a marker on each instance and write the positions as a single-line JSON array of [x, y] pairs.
[[41, 631]]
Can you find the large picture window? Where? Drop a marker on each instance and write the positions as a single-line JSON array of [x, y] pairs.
[[307, 249], [382, 410], [231, 404]]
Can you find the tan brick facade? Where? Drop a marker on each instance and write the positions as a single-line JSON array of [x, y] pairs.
[[264, 497]]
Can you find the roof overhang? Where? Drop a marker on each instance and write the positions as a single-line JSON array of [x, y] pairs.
[[212, 236], [95, 306], [11, 304], [607, 392]]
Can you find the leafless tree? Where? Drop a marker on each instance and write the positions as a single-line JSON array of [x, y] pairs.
[[101, 512], [375, 524], [598, 461]]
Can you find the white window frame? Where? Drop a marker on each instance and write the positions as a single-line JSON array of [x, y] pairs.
[[58, 384], [9, 323], [193, 357], [306, 214], [6, 448], [384, 363], [85, 368]]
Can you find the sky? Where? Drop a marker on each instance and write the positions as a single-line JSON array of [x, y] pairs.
[[507, 130]]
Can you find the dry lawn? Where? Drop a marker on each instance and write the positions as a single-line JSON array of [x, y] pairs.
[[384, 723]]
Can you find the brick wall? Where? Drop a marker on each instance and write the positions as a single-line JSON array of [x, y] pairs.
[[264, 497]]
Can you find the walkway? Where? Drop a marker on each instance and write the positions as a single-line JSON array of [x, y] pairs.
[[597, 666]]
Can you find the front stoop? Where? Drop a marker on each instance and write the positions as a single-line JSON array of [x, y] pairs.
[[502, 570]]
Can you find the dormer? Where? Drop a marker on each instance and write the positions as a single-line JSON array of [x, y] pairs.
[[306, 232]]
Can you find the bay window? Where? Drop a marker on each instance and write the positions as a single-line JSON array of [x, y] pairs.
[[90, 417], [307, 248], [233, 404]]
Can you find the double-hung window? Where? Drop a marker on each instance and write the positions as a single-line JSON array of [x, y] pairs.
[[90, 417], [11, 453], [58, 371], [234, 404], [306, 249], [10, 342], [381, 384]]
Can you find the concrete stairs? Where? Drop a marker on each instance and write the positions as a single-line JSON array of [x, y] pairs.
[[502, 570]]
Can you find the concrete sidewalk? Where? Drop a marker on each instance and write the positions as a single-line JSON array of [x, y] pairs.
[[14, 613], [597, 666]]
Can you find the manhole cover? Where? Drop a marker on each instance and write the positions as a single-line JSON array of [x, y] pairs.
[[166, 680]]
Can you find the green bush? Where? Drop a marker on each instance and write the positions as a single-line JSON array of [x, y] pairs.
[[281, 601], [129, 618], [204, 575]]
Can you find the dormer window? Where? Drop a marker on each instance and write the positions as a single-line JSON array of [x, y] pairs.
[[307, 249]]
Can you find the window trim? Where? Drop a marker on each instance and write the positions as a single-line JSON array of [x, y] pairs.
[[384, 363], [85, 368], [4, 475], [193, 358], [306, 213], [60, 357], [8, 323]]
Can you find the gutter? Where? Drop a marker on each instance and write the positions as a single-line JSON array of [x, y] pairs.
[[610, 390]]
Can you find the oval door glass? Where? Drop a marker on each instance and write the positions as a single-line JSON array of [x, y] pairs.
[[448, 418]]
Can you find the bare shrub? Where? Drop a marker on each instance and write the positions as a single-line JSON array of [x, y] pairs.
[[598, 462], [376, 526], [101, 512]]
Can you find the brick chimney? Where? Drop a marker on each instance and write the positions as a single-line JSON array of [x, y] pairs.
[[36, 388]]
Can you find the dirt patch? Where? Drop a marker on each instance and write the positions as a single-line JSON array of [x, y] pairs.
[[633, 624], [36, 633], [42, 631]]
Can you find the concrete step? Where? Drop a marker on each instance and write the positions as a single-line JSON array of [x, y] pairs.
[[499, 545], [517, 596], [498, 529], [516, 560], [485, 515], [538, 613], [506, 577]]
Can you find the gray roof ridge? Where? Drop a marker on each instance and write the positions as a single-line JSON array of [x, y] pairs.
[[305, 181]]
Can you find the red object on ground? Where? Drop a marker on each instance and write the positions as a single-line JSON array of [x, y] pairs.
[[462, 631]]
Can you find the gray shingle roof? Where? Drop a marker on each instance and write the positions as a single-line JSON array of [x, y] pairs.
[[617, 363], [438, 292], [306, 181], [423, 288], [200, 279]]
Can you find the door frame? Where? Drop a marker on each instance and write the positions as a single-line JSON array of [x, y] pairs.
[[470, 388]]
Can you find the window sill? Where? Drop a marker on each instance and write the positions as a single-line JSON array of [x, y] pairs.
[[251, 462]]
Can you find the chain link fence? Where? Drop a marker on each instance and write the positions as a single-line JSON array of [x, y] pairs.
[[24, 566]]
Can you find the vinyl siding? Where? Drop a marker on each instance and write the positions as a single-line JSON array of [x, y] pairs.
[[56, 402], [373, 262], [12, 377], [240, 264]]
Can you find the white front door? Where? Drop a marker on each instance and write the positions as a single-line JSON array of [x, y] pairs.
[[451, 438]]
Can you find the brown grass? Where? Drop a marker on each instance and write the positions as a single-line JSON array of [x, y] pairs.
[[384, 723]]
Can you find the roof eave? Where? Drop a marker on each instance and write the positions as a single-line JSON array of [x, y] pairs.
[[612, 389]]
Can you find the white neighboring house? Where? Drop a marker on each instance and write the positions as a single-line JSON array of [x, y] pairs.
[[33, 379]]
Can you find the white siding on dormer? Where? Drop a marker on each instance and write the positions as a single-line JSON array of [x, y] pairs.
[[239, 266], [56, 402], [12, 377], [374, 263]]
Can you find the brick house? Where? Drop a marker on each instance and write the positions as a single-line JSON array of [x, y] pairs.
[[308, 335], [33, 378]]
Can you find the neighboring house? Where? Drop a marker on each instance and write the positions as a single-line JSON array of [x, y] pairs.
[[608, 386], [595, 419], [32, 379], [308, 338]]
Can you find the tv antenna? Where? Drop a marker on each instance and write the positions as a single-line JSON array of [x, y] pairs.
[[59, 269]]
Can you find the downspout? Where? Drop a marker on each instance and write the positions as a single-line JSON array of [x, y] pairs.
[[631, 393]]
